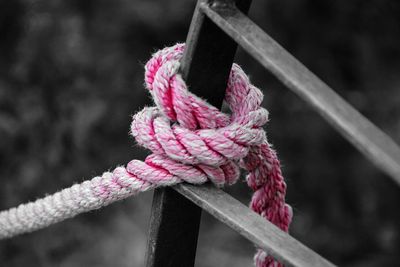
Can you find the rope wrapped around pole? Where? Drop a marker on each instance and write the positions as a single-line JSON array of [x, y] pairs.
[[191, 141]]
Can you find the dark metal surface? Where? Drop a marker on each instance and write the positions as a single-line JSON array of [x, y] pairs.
[[173, 231], [364, 135], [174, 222], [209, 55], [261, 232]]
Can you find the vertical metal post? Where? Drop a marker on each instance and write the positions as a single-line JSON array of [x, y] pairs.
[[175, 220]]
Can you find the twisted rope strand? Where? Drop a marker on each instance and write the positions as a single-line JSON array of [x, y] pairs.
[[191, 141]]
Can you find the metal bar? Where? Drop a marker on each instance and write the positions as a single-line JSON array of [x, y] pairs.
[[370, 140], [173, 231], [249, 224], [174, 222]]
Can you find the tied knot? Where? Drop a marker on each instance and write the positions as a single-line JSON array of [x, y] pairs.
[[186, 133], [193, 141]]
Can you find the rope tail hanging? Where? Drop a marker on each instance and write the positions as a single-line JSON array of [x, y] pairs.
[[191, 141]]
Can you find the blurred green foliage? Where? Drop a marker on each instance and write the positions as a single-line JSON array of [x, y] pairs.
[[71, 74]]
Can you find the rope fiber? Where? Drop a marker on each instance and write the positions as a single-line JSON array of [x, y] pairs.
[[191, 141]]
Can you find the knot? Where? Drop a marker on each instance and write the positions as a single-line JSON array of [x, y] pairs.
[[194, 141], [184, 129]]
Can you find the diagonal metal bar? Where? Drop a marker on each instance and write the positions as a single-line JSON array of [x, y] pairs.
[[364, 135], [249, 224]]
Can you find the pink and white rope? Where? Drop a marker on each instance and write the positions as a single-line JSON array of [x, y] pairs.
[[191, 141]]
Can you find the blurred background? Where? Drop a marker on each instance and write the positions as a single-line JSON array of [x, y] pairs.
[[71, 75]]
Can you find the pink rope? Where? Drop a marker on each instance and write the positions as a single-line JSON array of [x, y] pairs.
[[209, 141], [191, 141]]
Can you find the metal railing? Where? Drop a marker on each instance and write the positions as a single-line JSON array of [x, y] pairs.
[[216, 29]]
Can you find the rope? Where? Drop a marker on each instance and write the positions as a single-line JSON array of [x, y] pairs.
[[191, 141]]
